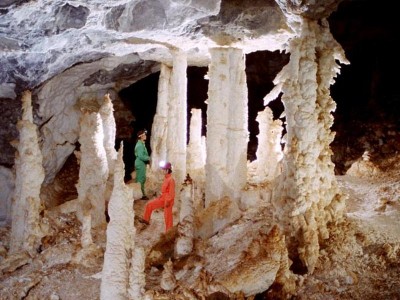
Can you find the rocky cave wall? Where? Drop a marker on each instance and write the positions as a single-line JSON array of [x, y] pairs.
[[60, 97]]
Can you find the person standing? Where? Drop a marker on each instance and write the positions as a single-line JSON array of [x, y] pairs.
[[166, 200], [142, 157]]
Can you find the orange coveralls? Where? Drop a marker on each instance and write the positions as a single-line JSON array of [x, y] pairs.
[[166, 201]]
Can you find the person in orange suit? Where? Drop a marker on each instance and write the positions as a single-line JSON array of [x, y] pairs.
[[166, 200]]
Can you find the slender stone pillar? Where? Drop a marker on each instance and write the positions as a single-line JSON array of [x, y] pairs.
[[227, 135], [26, 207], [159, 128], [196, 151], [120, 237]]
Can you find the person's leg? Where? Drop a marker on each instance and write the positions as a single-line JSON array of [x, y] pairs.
[[150, 206], [168, 219], [141, 178], [142, 189]]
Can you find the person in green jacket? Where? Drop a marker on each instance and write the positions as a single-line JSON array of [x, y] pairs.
[[142, 157]]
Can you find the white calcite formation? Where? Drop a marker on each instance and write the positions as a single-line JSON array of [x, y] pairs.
[[120, 238], [93, 174], [307, 196], [109, 130], [29, 176], [168, 280], [269, 151], [363, 167], [227, 135], [196, 149], [253, 265], [177, 117], [159, 128], [184, 241], [215, 217], [137, 277]]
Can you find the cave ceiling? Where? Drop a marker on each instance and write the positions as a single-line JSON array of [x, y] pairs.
[[41, 39]]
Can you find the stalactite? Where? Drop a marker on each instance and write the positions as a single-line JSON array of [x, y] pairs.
[[26, 207]]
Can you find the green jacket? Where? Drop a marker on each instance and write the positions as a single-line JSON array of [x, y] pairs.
[[142, 156]]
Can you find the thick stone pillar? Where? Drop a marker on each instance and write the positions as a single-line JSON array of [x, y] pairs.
[[93, 174], [307, 197], [177, 117], [227, 135], [158, 140], [26, 207]]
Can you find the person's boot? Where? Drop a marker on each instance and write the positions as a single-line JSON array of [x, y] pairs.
[[141, 220]]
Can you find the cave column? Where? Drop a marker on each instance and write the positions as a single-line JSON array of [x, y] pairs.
[[177, 116], [158, 142], [26, 207], [307, 197], [227, 134], [93, 174]]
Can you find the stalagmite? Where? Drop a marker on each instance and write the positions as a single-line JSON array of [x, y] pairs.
[[227, 135], [137, 277], [93, 174], [26, 207], [109, 130], [177, 118], [307, 197], [184, 241], [168, 281], [196, 152], [159, 128], [120, 237], [269, 151]]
